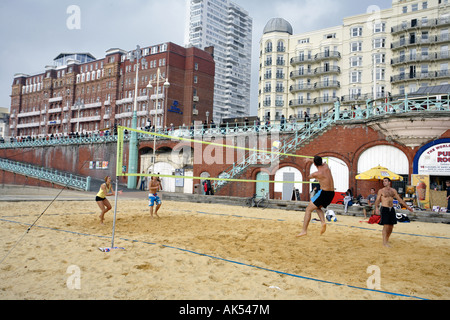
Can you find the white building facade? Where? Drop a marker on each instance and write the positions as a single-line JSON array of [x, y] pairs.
[[227, 27], [377, 55]]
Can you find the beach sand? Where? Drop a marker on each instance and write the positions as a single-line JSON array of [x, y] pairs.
[[209, 251]]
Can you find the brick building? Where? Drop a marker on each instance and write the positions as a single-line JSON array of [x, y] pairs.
[[80, 93]]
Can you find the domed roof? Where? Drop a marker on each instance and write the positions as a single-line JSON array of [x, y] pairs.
[[278, 25]]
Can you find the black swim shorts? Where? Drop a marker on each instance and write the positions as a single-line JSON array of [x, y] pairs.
[[97, 198], [388, 216], [323, 198]]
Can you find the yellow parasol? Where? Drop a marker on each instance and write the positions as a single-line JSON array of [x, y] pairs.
[[378, 173]]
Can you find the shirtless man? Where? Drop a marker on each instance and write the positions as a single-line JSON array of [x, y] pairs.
[[322, 198], [153, 188], [388, 217]]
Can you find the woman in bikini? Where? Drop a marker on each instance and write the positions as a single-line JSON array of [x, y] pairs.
[[103, 203]]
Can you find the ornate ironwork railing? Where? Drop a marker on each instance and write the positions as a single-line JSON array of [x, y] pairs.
[[45, 174]]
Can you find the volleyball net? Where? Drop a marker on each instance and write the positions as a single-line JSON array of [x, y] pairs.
[[258, 149]]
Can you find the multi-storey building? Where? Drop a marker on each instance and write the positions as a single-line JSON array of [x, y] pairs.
[[4, 120], [376, 55], [227, 27], [80, 93]]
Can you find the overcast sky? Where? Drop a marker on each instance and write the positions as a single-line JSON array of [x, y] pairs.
[[34, 32]]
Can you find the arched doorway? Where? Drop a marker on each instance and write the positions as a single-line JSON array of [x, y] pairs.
[[262, 186], [339, 171], [287, 174]]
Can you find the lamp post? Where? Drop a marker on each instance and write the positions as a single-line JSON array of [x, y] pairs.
[[133, 146], [155, 103]]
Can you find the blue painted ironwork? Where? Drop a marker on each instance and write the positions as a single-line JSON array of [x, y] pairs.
[[57, 177], [295, 132]]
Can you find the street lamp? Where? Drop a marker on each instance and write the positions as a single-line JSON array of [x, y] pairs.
[[133, 146], [166, 85]]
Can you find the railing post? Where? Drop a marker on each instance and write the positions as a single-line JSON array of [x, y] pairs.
[[337, 111], [88, 183], [368, 109], [406, 103]]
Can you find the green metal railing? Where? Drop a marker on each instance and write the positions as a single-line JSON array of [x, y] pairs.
[[414, 105], [295, 133], [44, 174]]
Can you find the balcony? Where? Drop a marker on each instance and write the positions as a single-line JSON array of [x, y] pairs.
[[124, 115], [334, 55], [54, 122], [416, 24], [93, 105], [56, 99], [421, 75], [28, 114], [357, 97], [327, 70], [301, 59], [327, 84], [301, 73], [324, 100], [403, 43], [86, 119], [300, 102], [432, 56], [28, 125], [157, 112], [301, 87], [54, 110], [122, 101]]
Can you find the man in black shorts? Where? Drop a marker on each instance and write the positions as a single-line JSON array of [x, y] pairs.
[[322, 198], [388, 217]]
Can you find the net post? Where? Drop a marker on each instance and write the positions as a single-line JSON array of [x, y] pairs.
[[115, 211]]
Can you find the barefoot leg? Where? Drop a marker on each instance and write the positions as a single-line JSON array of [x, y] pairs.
[[156, 211], [102, 208], [322, 220], [307, 219]]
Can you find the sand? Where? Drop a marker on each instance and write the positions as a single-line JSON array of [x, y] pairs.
[[212, 252]]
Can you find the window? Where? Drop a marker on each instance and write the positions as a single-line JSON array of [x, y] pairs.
[[379, 58], [379, 43], [280, 46], [356, 61], [380, 73], [425, 5], [355, 93], [356, 46], [414, 7], [405, 9], [379, 27], [356, 32], [355, 76]]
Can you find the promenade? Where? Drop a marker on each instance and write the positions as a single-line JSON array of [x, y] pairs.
[[14, 193]]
